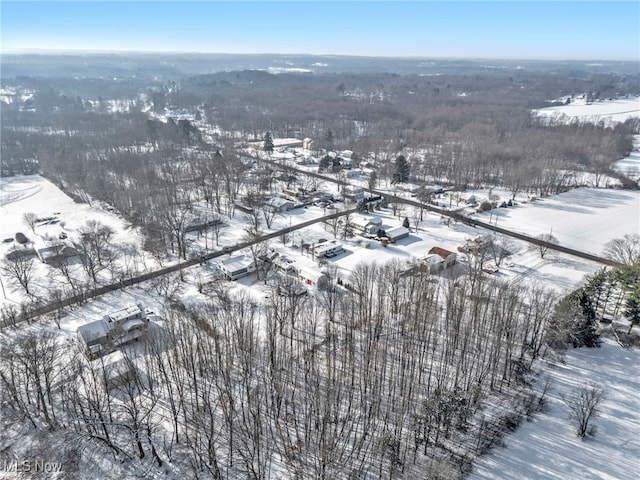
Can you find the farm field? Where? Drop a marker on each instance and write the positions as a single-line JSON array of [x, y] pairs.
[[583, 218]]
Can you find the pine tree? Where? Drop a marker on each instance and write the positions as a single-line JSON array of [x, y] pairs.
[[632, 310], [402, 170], [586, 331], [268, 143], [406, 224], [325, 163]]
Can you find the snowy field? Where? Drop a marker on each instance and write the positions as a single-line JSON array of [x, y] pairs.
[[35, 194], [608, 111], [547, 447], [584, 218], [630, 166], [19, 195]]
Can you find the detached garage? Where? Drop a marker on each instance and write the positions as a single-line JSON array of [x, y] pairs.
[[397, 233]]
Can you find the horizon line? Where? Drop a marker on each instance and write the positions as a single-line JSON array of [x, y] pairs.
[[66, 51]]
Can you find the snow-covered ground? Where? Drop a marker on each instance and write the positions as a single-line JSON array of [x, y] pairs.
[[607, 111], [37, 195], [584, 218], [630, 166], [547, 447]]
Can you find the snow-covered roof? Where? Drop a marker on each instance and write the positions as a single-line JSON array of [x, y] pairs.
[[441, 252], [278, 202], [397, 232], [93, 331], [236, 263], [432, 259], [131, 324], [133, 311], [363, 222]]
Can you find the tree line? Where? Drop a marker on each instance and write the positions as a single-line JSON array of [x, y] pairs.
[[391, 378]]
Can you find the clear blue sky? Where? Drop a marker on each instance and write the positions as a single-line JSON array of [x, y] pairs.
[[503, 29]]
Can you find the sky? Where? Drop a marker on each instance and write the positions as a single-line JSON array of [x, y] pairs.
[[558, 29]]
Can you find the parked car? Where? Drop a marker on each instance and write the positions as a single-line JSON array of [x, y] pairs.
[[62, 236]]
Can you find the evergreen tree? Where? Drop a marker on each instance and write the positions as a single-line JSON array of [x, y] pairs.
[[325, 162], [406, 224], [268, 143], [632, 310], [329, 139], [586, 334], [401, 174], [573, 322]]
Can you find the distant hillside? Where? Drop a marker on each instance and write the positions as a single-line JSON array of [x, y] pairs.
[[173, 66]]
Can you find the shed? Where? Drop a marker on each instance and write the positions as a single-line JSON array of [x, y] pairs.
[[48, 251], [116, 370]]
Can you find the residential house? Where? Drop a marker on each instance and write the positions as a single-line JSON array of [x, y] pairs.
[[353, 173], [118, 328], [237, 267], [353, 193], [283, 263], [369, 225], [438, 259]]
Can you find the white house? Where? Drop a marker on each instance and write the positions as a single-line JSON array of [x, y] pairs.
[[354, 192], [367, 224], [353, 173], [237, 267], [438, 259], [284, 264], [103, 336]]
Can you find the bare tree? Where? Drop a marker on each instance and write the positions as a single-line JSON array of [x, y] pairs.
[[546, 239], [20, 268], [583, 403], [501, 247], [625, 250], [30, 219], [94, 248]]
